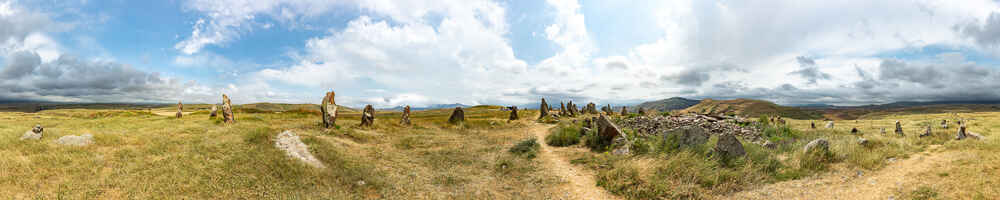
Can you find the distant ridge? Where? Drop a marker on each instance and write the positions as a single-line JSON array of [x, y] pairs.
[[669, 104], [750, 108], [432, 107]]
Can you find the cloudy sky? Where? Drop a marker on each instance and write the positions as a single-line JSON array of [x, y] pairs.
[[418, 52]]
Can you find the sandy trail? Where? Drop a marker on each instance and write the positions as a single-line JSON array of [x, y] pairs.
[[847, 184], [580, 184]]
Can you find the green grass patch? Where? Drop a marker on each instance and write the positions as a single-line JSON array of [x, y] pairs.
[[563, 135]]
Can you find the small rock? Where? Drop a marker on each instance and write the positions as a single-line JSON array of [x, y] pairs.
[[728, 146], [817, 145], [770, 145], [862, 141], [361, 182], [289, 142], [829, 124], [73, 140], [28, 135]]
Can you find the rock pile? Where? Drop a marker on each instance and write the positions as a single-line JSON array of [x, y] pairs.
[[513, 114], [368, 116], [33, 134], [328, 108], [227, 110], [656, 125], [405, 119], [457, 116]]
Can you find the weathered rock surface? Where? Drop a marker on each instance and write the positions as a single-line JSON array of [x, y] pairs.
[[607, 130], [513, 114], [73, 140], [328, 109], [899, 128], [543, 109], [290, 143], [854, 130], [457, 116], [688, 136], [821, 145], [33, 134], [562, 109], [927, 132], [642, 111], [770, 145], [944, 123], [405, 118], [214, 112], [180, 109], [829, 124], [368, 116], [961, 133], [227, 110], [624, 111], [590, 109], [729, 147]]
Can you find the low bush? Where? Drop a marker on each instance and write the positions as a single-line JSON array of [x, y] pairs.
[[563, 135], [527, 148]]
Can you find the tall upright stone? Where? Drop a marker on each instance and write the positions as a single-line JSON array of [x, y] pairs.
[[624, 111], [927, 132], [329, 110], [513, 114], [227, 110], [944, 123], [180, 108], [457, 116], [590, 109], [368, 116], [571, 108], [562, 109], [961, 133], [214, 112], [899, 128], [812, 125], [405, 119], [543, 109]]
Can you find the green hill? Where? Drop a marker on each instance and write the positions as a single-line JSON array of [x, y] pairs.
[[750, 108]]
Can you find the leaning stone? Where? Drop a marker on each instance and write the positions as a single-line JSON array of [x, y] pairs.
[[607, 130], [543, 109], [817, 145], [729, 147], [227, 110], [405, 118], [368, 116], [72, 140], [290, 143], [457, 116]]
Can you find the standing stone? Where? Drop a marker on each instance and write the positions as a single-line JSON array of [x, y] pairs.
[[729, 147], [34, 134], [624, 111], [368, 116], [562, 109], [944, 123], [610, 111], [227, 110], [405, 119], [607, 130], [513, 114], [590, 109], [829, 124], [926, 132], [329, 110], [543, 109], [215, 112], [812, 125], [458, 116], [882, 131], [854, 130], [961, 133], [572, 109], [899, 128], [817, 145], [180, 107], [642, 111]]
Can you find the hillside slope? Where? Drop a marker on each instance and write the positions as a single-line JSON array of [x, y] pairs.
[[750, 108], [663, 105]]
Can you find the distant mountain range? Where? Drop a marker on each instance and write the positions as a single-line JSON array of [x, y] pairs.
[[673, 103], [432, 107], [750, 108]]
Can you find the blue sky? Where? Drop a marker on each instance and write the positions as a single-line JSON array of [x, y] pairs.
[[391, 53]]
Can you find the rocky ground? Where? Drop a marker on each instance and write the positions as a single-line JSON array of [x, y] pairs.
[[657, 125]]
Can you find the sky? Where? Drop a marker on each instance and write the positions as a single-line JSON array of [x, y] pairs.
[[503, 52]]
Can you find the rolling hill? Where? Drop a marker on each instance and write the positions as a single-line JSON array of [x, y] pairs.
[[663, 105], [750, 108]]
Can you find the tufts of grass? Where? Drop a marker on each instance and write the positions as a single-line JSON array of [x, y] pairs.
[[527, 148], [563, 135]]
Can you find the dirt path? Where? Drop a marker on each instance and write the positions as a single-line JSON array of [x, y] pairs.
[[851, 184], [581, 184]]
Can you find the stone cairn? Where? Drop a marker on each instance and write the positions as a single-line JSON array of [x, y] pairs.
[[180, 107], [513, 114], [368, 116], [329, 110], [899, 128], [214, 112], [624, 111], [227, 110], [543, 109], [457, 116], [927, 132], [405, 119]]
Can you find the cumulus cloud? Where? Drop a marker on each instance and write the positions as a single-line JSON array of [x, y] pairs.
[[809, 71], [986, 34]]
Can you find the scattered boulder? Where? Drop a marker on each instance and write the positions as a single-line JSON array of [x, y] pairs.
[[899, 128], [405, 119], [33, 134], [862, 141], [543, 109], [817, 145], [180, 107], [854, 130], [974, 135], [227, 110], [214, 112], [329, 110], [829, 124], [961, 133], [944, 123], [368, 116], [289, 142], [607, 130], [926, 132], [729, 147], [513, 114], [73, 140], [457, 116], [688, 136], [812, 125], [882, 131]]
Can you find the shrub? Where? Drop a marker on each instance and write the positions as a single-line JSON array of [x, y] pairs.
[[563, 135], [593, 141], [527, 148]]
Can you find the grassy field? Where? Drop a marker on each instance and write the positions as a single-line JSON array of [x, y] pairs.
[[138, 155]]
